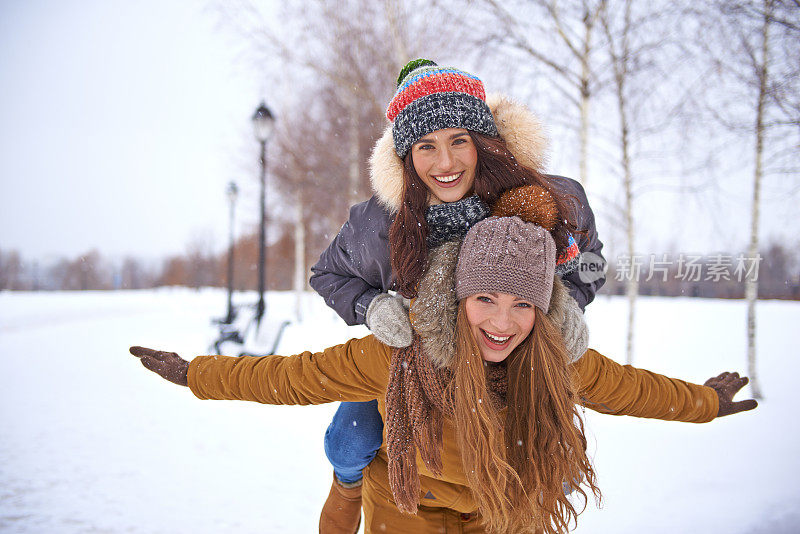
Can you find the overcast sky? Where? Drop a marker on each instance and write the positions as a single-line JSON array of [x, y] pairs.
[[121, 126]]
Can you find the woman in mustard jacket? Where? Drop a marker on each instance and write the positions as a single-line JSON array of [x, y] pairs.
[[482, 433]]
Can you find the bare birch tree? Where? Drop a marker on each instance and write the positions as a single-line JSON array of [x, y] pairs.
[[756, 53], [558, 37], [637, 45], [619, 50]]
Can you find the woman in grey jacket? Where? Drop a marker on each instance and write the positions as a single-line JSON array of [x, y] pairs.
[[446, 158]]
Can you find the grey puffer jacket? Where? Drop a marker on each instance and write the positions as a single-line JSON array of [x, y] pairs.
[[355, 267]]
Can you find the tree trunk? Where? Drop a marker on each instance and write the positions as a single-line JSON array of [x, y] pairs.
[[583, 175], [401, 55], [632, 288], [621, 60], [751, 283], [299, 258], [354, 152]]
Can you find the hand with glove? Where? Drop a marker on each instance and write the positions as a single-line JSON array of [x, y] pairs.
[[567, 316], [727, 385], [574, 330], [387, 318], [167, 365]]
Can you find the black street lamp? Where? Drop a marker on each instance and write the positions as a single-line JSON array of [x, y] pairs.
[[232, 192], [263, 121]]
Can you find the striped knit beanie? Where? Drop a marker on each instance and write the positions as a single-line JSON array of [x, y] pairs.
[[507, 255], [430, 98]]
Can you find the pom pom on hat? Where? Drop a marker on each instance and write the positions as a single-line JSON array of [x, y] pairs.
[[411, 65], [531, 203], [534, 204]]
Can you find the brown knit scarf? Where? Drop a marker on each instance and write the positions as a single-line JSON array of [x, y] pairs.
[[416, 399]]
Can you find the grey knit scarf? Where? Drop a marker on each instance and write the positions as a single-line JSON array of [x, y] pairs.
[[453, 220]]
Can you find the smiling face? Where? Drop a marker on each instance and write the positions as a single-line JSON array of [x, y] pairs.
[[499, 322], [446, 160]]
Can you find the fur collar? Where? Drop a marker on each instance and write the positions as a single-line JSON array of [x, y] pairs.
[[433, 311], [521, 130]]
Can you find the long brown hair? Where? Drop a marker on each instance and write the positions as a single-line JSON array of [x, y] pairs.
[[497, 171], [516, 468]]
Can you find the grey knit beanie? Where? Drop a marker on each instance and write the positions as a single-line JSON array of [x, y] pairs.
[[507, 255]]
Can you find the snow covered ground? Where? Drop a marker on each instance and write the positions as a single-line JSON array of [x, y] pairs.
[[91, 442]]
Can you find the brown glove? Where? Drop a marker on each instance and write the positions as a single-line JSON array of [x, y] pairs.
[[167, 365], [727, 385]]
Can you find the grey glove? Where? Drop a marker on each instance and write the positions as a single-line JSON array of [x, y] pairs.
[[387, 318], [568, 317], [575, 331]]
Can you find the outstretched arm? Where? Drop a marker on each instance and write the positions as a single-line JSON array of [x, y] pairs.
[[354, 371], [608, 387]]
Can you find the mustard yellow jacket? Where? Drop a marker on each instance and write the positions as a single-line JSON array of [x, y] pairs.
[[359, 371]]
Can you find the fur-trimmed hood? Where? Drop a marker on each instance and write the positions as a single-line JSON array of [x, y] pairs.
[[522, 131]]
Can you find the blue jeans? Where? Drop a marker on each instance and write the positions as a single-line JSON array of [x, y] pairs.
[[353, 439]]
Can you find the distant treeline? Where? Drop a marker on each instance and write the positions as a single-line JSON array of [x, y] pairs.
[[196, 268], [719, 275]]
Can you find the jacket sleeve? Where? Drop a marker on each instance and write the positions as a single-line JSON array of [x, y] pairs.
[[355, 267], [355, 371], [587, 239], [608, 387]]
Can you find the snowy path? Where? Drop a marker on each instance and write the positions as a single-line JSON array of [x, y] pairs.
[[90, 442]]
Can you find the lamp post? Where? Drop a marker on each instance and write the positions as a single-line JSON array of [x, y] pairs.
[[232, 192], [263, 121]]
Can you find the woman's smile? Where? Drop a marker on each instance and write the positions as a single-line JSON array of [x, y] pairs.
[[449, 180], [496, 341]]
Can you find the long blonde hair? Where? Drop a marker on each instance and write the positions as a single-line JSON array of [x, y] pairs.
[[517, 468]]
